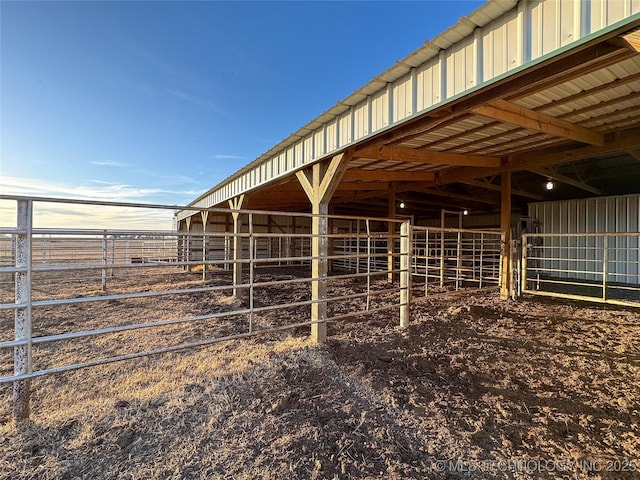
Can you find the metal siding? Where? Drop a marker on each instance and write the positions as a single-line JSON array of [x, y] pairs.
[[428, 85], [318, 143], [330, 138], [344, 124], [460, 67], [298, 155], [361, 124], [568, 25], [402, 98], [308, 149], [617, 214], [378, 110]]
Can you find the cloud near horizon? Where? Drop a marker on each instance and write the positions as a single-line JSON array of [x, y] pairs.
[[69, 215]]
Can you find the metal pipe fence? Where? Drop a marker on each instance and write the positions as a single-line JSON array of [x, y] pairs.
[[599, 267], [85, 297], [455, 258]]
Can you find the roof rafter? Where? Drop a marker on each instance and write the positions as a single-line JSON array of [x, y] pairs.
[[630, 40], [498, 188], [523, 117], [397, 154], [547, 172], [457, 196], [622, 142], [387, 176]]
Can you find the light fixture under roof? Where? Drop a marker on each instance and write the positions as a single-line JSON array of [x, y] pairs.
[[401, 204], [465, 212], [549, 185]]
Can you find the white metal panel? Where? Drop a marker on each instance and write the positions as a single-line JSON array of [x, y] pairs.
[[500, 45], [331, 137], [461, 65], [308, 149], [318, 141], [402, 98], [361, 122], [379, 110], [344, 125], [428, 85], [298, 155]]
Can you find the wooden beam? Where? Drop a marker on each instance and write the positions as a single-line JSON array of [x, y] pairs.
[[237, 203], [458, 196], [629, 40], [359, 196], [385, 175], [498, 188], [635, 153], [333, 175], [622, 142], [505, 228], [547, 172], [523, 117], [425, 156]]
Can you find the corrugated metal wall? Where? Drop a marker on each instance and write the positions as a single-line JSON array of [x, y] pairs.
[[592, 215]]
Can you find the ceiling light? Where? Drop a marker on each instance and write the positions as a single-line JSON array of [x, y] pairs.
[[465, 212], [401, 204], [549, 185]]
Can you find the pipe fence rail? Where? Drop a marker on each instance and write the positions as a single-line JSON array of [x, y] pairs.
[[600, 267], [74, 298], [455, 257]]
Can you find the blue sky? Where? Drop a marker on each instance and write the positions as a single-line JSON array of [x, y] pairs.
[[159, 101]]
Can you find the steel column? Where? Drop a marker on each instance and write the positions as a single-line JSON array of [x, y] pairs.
[[22, 354]]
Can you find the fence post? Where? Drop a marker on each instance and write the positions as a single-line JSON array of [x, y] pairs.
[[252, 257], [22, 360], [523, 265], [405, 273], [604, 267], [104, 261], [205, 221]]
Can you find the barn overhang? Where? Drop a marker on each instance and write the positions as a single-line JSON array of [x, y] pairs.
[[526, 87]]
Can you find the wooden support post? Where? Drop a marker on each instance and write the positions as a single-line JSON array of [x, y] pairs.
[[505, 228], [205, 242], [405, 273], [392, 231], [319, 185], [236, 204]]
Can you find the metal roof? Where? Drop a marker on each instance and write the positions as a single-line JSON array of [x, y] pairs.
[[436, 93]]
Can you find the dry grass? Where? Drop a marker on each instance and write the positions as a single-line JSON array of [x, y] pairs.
[[473, 378]]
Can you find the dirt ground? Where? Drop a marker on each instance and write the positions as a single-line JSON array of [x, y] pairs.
[[476, 387]]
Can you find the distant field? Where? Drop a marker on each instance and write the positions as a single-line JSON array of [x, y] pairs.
[[65, 251]]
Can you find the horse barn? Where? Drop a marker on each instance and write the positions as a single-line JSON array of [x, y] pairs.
[[461, 236], [509, 145]]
